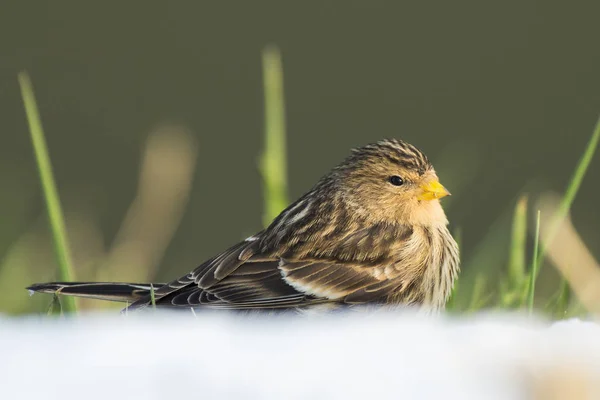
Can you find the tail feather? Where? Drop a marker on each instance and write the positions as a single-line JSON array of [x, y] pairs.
[[113, 291]]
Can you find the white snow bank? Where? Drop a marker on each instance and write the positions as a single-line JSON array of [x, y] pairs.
[[379, 356]]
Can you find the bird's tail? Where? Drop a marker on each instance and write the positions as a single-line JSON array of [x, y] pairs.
[[113, 291]]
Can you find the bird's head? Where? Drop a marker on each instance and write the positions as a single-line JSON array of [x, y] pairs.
[[392, 181]]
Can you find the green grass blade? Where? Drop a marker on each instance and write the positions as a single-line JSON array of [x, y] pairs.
[[273, 162], [582, 167], [55, 214], [152, 297], [518, 244], [534, 264], [572, 188], [567, 202], [563, 300]]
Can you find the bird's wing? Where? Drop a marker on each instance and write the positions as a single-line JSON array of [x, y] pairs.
[[341, 282], [242, 278]]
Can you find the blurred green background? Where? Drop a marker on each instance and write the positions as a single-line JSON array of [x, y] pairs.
[[502, 97]]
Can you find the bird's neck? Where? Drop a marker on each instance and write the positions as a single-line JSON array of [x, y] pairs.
[[425, 213]]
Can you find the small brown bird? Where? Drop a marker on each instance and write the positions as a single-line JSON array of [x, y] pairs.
[[371, 231]]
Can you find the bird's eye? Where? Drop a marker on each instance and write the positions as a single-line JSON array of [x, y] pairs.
[[396, 180]]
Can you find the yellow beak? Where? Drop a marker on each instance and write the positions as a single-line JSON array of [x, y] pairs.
[[433, 190]]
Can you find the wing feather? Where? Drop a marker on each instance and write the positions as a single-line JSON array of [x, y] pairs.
[[243, 277]]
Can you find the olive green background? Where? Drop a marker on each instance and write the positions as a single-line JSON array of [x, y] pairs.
[[502, 96]]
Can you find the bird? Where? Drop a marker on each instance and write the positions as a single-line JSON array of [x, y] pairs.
[[371, 232]]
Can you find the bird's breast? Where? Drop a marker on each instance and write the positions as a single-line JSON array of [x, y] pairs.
[[426, 266]]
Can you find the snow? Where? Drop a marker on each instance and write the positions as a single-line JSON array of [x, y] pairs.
[[362, 356]]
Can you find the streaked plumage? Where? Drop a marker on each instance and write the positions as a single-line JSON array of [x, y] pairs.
[[372, 231]]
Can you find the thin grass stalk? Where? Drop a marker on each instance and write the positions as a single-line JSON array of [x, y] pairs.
[[569, 198], [534, 264], [562, 302], [518, 244], [152, 297], [513, 289], [572, 188], [273, 162], [55, 214]]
